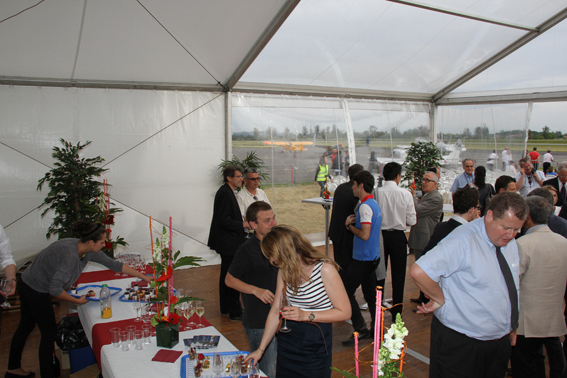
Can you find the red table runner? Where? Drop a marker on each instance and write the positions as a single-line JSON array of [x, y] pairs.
[[106, 275], [101, 331]]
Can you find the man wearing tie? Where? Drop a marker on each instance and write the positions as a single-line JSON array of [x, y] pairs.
[[559, 183], [472, 278]]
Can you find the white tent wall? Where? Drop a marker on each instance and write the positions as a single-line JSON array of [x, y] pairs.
[[162, 149]]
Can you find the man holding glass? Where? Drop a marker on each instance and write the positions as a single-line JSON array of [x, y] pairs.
[[252, 274]]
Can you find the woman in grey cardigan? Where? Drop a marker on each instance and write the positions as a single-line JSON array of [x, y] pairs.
[[56, 268]]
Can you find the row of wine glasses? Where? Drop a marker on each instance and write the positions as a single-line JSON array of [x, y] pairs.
[[134, 260], [188, 308]]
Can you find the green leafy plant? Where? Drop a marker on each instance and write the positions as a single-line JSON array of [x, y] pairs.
[[75, 194], [250, 161], [165, 261], [420, 156]]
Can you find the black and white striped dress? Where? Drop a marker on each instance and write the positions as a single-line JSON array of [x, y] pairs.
[[306, 351]]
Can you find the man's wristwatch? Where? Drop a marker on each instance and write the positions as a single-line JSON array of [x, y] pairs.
[[311, 316]]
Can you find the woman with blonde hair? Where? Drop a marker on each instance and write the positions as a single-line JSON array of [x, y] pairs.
[[316, 297]]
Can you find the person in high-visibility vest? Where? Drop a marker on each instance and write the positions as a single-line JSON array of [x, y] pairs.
[[321, 174]]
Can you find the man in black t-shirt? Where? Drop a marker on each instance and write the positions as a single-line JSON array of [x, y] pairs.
[[252, 275]]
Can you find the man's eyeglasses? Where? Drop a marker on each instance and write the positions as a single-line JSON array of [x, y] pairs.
[[426, 180], [253, 178]]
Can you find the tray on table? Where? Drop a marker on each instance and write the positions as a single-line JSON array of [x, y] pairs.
[[113, 291], [188, 366]]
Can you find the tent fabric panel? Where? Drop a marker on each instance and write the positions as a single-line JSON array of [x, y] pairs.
[[375, 45], [539, 64], [162, 150], [528, 12]]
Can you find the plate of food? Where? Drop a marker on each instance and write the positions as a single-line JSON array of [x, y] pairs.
[[91, 292]]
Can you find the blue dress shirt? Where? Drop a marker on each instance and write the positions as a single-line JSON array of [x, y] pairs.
[[461, 181], [465, 265]]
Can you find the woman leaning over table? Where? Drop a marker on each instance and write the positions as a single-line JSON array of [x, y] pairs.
[[56, 268], [317, 296]]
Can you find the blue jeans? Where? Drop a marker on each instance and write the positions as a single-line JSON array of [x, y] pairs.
[[268, 361]]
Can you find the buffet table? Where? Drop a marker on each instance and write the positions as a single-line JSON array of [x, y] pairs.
[[115, 363]]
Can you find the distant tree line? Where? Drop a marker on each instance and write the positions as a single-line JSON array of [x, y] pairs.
[[331, 132]]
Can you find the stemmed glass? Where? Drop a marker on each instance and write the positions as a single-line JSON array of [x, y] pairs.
[[5, 289], [138, 307], [234, 367], [118, 258], [200, 309], [218, 365], [191, 311], [183, 308], [284, 303]]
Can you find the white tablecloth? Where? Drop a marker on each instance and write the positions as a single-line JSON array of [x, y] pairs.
[[135, 363]]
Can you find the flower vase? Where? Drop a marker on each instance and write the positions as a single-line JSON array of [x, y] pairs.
[[167, 335]]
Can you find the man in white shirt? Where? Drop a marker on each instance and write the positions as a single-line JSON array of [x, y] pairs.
[[398, 212], [250, 193], [528, 178], [506, 158], [547, 160], [7, 263]]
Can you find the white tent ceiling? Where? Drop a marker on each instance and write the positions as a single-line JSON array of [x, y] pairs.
[[125, 72]]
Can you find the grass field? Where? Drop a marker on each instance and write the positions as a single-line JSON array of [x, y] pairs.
[[286, 201]]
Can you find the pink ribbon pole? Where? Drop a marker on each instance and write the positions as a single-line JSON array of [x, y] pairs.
[[377, 332], [356, 352]]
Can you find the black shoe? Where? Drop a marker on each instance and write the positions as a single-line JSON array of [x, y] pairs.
[[236, 318], [12, 375], [362, 334]]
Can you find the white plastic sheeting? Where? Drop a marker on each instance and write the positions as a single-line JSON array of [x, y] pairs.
[[162, 149], [379, 45]]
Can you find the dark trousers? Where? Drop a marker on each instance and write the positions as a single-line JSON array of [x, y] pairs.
[[229, 298], [546, 167], [454, 355], [528, 360], [343, 257], [395, 249], [362, 273], [35, 308]]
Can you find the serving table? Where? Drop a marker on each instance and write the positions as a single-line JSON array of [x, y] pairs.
[[115, 363]]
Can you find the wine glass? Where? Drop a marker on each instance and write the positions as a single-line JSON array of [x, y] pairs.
[[138, 307], [284, 303], [234, 368], [218, 365], [191, 310], [184, 309], [200, 309], [118, 258], [5, 289]]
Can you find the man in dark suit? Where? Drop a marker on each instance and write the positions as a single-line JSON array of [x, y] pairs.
[[226, 235], [465, 208], [344, 203], [559, 183]]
